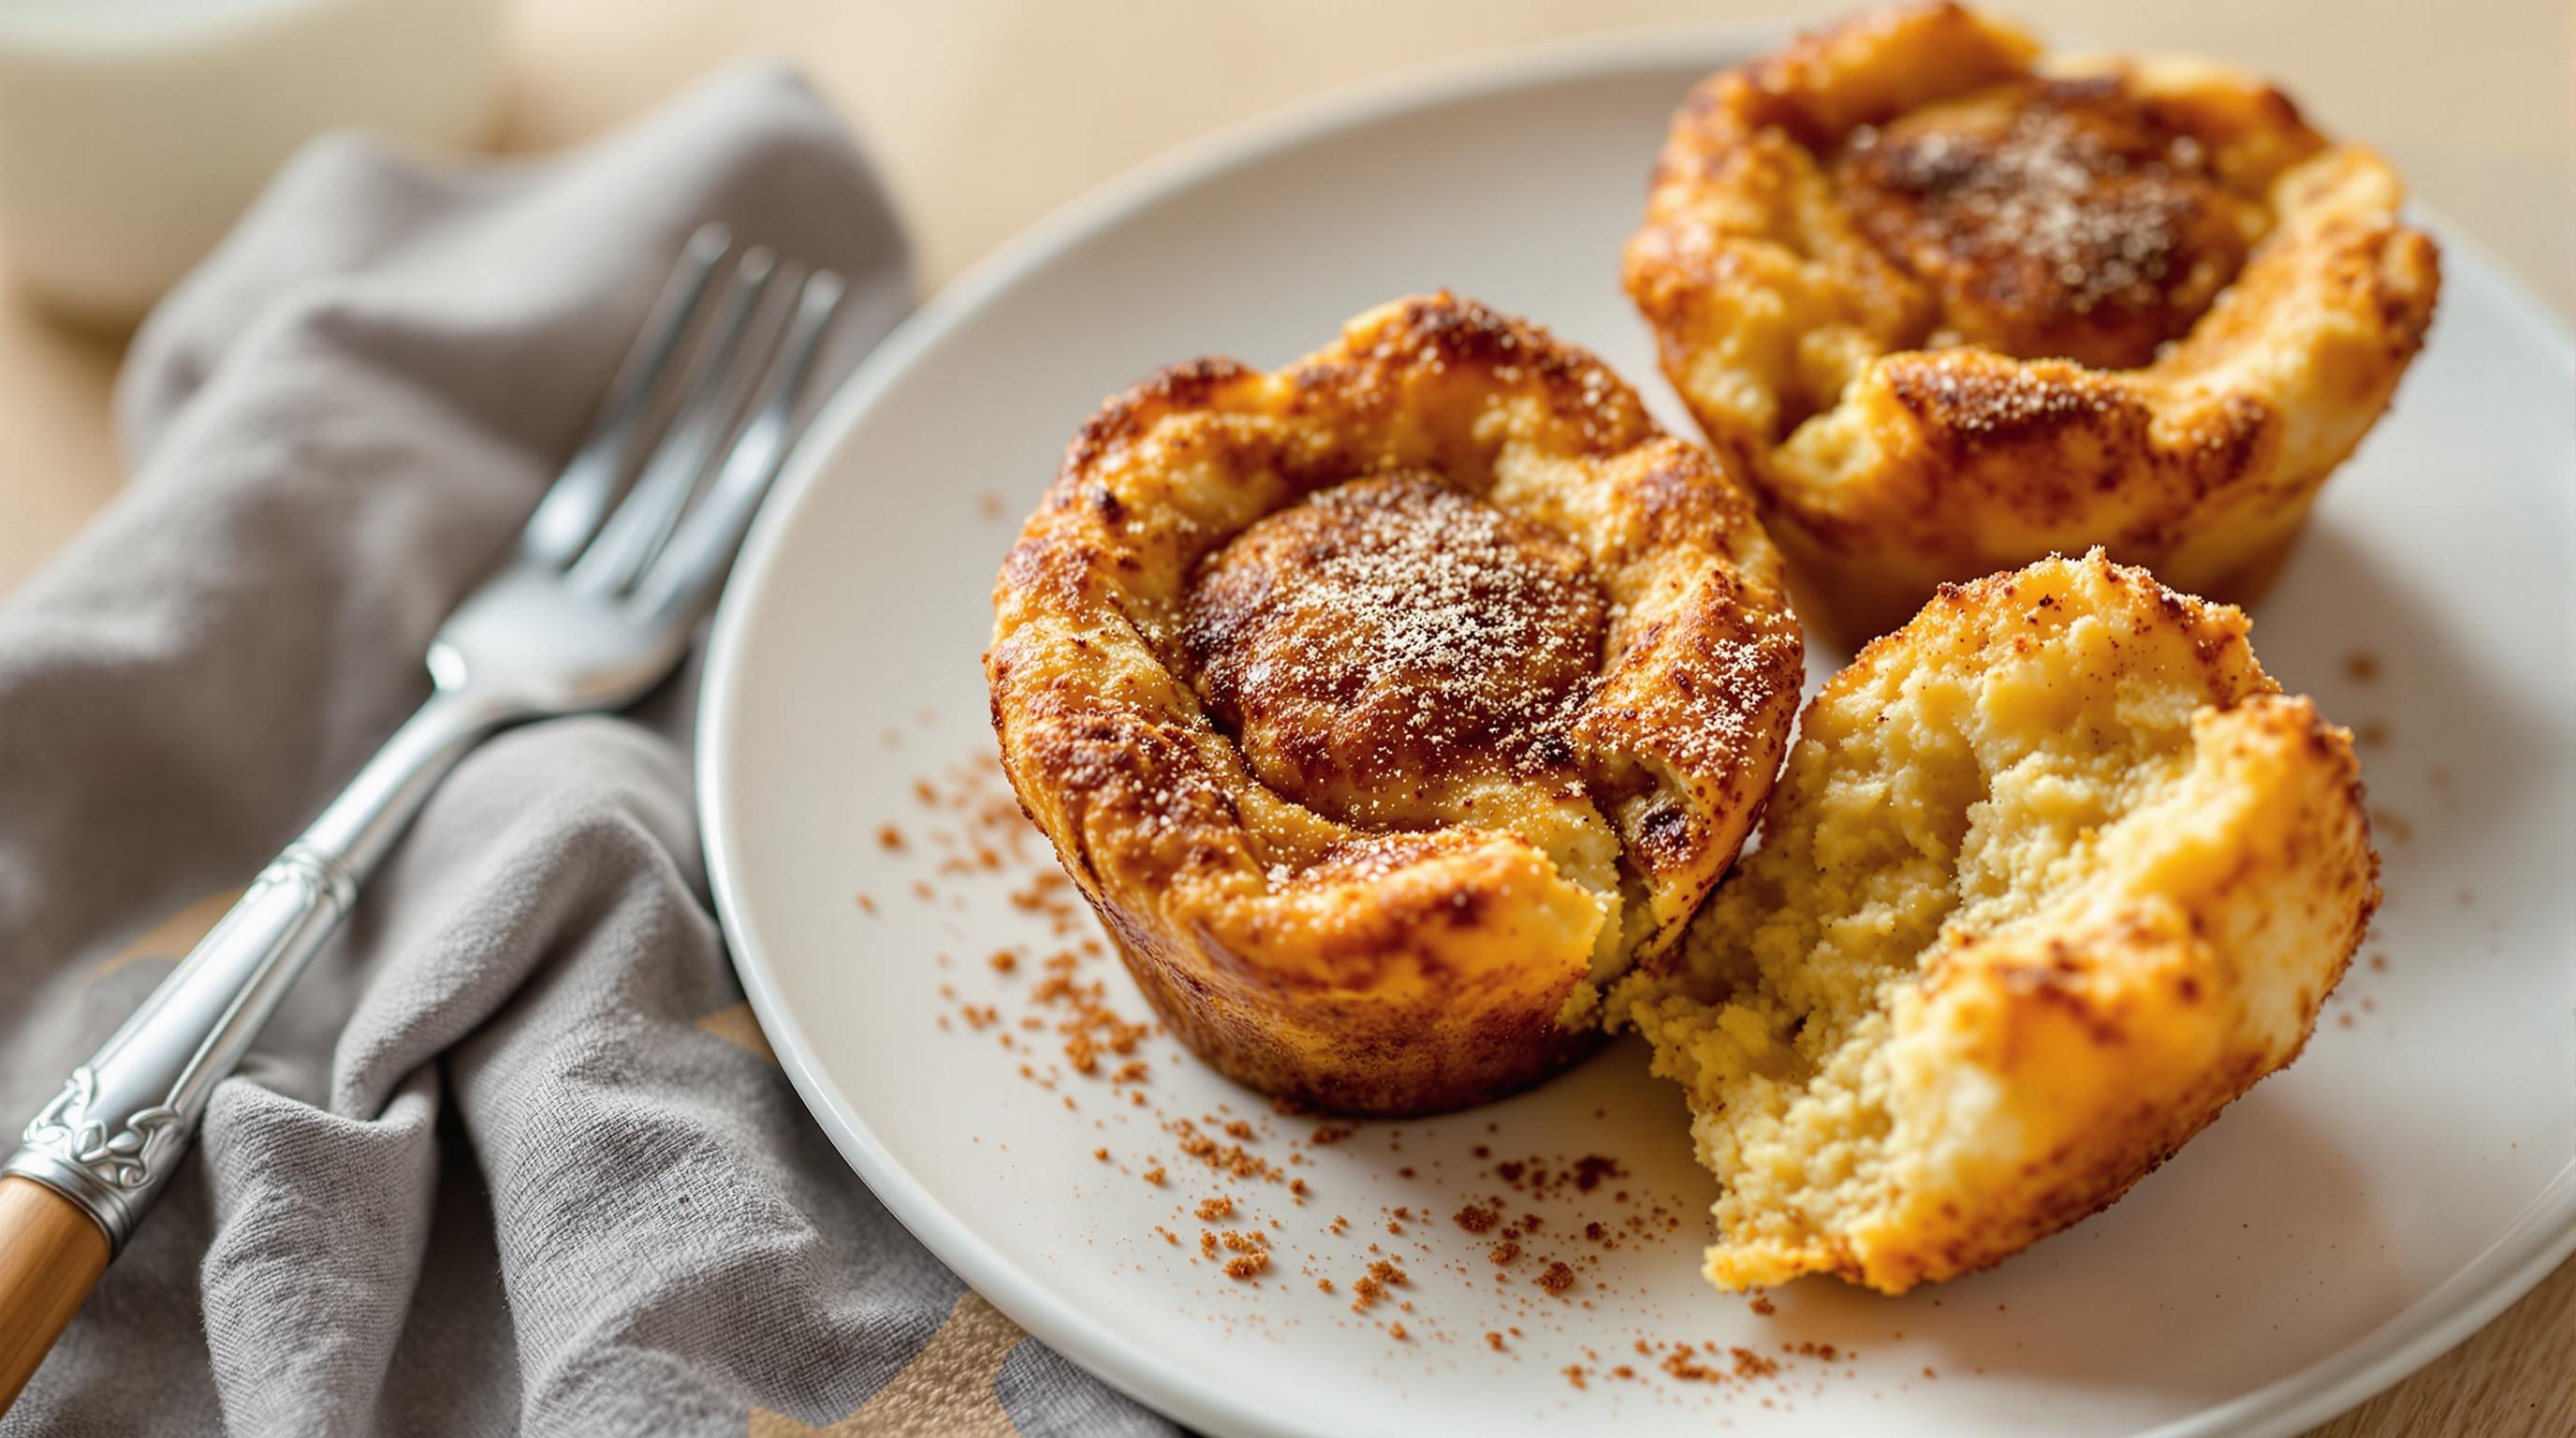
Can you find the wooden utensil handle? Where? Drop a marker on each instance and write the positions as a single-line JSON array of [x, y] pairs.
[[51, 1254]]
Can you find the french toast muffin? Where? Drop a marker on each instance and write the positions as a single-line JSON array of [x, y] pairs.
[[1389, 705], [2053, 874], [1947, 305]]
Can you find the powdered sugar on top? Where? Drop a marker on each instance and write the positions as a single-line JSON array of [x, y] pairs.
[[1396, 629]]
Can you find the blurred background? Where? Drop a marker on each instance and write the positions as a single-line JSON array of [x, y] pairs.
[[989, 112], [159, 117]]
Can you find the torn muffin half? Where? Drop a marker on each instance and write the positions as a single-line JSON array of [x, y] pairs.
[[2054, 873]]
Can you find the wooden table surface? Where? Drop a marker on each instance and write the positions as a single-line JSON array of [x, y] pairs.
[[988, 113]]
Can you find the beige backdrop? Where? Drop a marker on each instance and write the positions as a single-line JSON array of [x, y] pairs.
[[988, 113]]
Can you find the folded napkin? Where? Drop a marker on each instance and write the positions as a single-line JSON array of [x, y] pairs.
[[514, 1157]]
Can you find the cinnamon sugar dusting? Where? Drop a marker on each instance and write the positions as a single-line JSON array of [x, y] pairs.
[[1996, 399], [1391, 631], [1516, 1235], [2058, 217]]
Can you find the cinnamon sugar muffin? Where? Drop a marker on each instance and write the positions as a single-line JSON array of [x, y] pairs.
[[1388, 705], [1949, 305], [2054, 873]]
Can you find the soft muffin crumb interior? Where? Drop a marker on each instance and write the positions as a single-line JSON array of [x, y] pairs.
[[1956, 789]]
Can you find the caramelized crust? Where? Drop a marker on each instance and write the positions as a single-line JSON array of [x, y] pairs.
[[2054, 873], [1385, 705], [2051, 218], [1949, 306], [1385, 649]]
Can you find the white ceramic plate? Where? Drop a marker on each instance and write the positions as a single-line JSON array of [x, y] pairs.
[[2344, 1223]]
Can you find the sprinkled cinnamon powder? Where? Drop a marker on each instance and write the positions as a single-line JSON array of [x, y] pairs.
[[1224, 1158], [1372, 1286], [1081, 1021], [1590, 1169], [2061, 216], [1682, 1365], [1445, 631]]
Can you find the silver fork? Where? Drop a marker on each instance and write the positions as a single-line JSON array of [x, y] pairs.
[[593, 608]]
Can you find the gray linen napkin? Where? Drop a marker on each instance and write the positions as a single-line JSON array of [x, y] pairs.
[[514, 1157]]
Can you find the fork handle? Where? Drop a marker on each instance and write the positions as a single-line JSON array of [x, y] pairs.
[[51, 1253], [107, 1144]]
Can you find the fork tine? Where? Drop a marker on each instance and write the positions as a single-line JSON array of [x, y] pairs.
[[685, 577], [571, 510], [709, 398]]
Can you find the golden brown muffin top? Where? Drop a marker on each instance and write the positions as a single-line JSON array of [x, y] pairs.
[[2052, 217], [1948, 304], [1369, 647], [1436, 611]]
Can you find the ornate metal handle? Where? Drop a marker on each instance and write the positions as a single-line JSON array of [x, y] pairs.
[[109, 1141]]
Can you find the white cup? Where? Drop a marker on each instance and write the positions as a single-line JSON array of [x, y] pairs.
[[133, 132]]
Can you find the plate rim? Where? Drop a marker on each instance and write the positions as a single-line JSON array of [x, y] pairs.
[[2527, 1249]]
